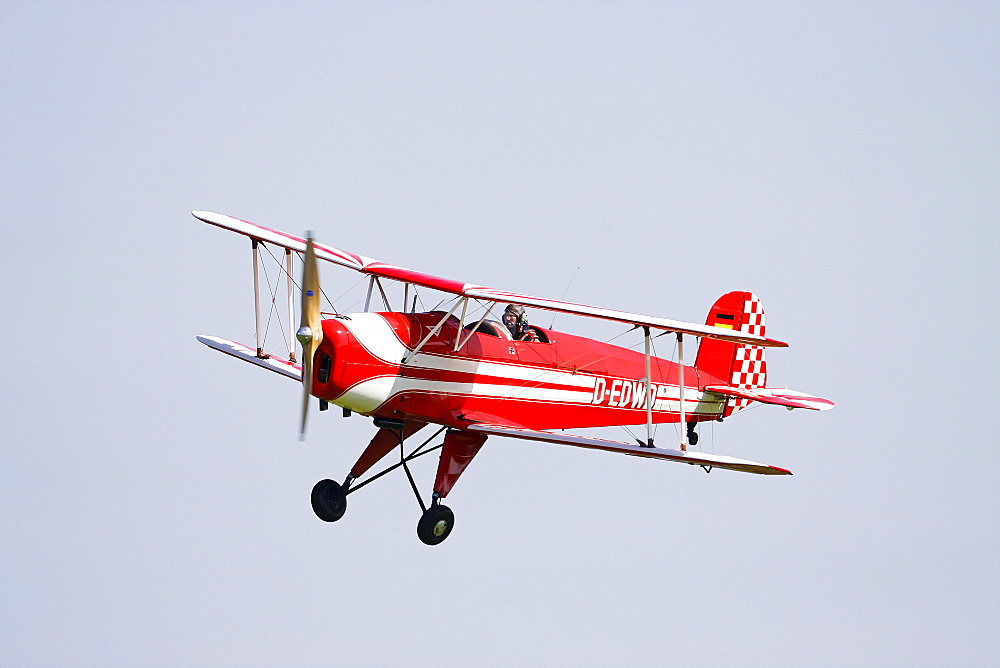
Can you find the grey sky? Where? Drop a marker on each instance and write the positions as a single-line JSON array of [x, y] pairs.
[[838, 159]]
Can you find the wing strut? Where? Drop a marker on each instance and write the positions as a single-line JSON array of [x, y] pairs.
[[255, 245], [680, 380], [461, 322], [434, 331], [291, 308], [256, 297], [476, 328], [649, 402], [385, 300], [368, 299]]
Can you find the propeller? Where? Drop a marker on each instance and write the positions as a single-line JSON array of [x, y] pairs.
[[310, 332]]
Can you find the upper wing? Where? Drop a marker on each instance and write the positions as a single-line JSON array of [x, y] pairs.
[[774, 395], [707, 460], [381, 269]]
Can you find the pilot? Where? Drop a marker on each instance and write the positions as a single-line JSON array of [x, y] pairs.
[[515, 319]]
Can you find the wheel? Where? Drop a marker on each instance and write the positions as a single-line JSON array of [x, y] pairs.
[[435, 524], [329, 501]]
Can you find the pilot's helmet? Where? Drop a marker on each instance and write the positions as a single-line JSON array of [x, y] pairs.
[[514, 315]]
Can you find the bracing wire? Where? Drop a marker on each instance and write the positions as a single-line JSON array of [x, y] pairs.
[[270, 310], [284, 270], [563, 297], [273, 290], [343, 294], [630, 432]]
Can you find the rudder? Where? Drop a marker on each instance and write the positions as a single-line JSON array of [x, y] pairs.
[[734, 363]]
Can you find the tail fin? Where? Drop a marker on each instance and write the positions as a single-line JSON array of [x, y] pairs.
[[734, 363]]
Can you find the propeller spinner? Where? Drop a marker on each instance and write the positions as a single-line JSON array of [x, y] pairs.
[[310, 332]]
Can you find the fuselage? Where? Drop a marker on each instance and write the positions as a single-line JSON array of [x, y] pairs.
[[560, 382]]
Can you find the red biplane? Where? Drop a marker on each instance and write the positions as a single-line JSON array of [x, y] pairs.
[[477, 377]]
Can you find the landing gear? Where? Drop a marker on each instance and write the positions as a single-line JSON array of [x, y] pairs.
[[435, 524], [692, 436], [329, 500]]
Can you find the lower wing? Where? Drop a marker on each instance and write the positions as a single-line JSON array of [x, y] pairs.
[[271, 363], [705, 460]]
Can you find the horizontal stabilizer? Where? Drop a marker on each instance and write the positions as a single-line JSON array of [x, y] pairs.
[[271, 363], [774, 395], [709, 461]]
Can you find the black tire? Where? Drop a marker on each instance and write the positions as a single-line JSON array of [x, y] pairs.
[[435, 525], [329, 501]]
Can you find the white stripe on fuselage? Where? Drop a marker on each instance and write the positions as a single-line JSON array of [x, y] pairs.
[[375, 334]]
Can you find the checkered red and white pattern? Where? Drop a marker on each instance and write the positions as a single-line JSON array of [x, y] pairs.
[[749, 367]]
